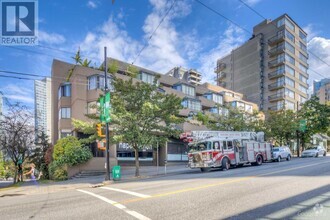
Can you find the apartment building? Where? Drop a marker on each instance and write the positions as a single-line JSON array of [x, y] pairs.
[[192, 76], [270, 69], [322, 90], [42, 104], [76, 89]]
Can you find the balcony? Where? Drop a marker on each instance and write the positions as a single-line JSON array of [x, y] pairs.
[[221, 75], [222, 84], [276, 39], [276, 74], [275, 108], [220, 67], [275, 62], [276, 97], [276, 85], [276, 50]]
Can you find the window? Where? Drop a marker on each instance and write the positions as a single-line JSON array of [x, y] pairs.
[[302, 78], [216, 145], [302, 57], [289, 82], [302, 68], [280, 105], [289, 47], [289, 58], [188, 90], [280, 58], [98, 82], [208, 96], [302, 99], [303, 46], [217, 98], [147, 78], [214, 110], [287, 22], [230, 145], [248, 108], [192, 104], [302, 36], [303, 89], [289, 93], [64, 113], [289, 105], [289, 36], [289, 70], [64, 90], [65, 134]]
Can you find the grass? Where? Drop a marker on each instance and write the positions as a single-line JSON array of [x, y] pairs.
[[12, 186]]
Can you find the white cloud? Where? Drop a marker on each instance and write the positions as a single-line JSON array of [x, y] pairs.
[[232, 38], [312, 31], [165, 49], [50, 38], [19, 93], [251, 2], [92, 4], [321, 48]]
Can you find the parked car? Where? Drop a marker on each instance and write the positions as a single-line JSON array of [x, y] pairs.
[[314, 151], [280, 153]]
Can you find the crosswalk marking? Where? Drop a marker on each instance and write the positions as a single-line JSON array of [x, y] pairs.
[[117, 205], [127, 192]]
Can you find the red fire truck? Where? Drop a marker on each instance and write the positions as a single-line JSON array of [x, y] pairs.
[[223, 149]]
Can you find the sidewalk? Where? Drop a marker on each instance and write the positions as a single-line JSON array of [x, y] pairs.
[[127, 175]]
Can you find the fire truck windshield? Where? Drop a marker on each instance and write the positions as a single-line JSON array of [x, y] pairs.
[[206, 145]]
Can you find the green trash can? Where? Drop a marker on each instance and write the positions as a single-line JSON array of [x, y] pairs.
[[116, 173]]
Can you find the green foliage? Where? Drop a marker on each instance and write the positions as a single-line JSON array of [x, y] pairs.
[[140, 113], [77, 57], [85, 63], [317, 118], [83, 126], [282, 126], [132, 71], [113, 67], [70, 151], [57, 171]]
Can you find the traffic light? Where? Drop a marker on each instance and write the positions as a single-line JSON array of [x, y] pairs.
[[100, 130]]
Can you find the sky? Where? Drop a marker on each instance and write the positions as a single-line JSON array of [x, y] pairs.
[[190, 35]]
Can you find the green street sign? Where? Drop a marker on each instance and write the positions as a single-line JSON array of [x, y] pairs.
[[302, 125], [116, 173], [105, 108]]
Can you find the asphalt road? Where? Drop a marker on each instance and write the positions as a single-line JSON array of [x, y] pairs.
[[296, 189]]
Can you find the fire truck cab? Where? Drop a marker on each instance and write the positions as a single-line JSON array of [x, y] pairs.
[[224, 151]]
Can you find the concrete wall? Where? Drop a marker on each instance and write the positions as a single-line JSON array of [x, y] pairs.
[[94, 164]]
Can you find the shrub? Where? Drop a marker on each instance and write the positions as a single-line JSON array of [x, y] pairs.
[[57, 171]]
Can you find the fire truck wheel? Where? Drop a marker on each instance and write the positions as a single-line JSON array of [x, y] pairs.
[[279, 159], [259, 160], [205, 169], [225, 164]]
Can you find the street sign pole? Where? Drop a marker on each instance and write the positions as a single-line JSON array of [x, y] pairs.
[[107, 175]]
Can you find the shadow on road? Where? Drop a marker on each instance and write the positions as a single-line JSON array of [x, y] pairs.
[[308, 205]]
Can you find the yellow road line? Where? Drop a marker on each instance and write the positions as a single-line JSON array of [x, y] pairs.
[[217, 184]]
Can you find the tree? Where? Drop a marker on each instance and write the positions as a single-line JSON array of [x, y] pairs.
[[17, 134], [234, 120], [317, 118], [38, 155], [281, 126], [140, 114]]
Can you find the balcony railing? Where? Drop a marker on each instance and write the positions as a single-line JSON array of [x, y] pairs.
[[275, 62], [276, 39], [276, 85], [221, 75], [223, 84], [275, 108], [276, 97], [276, 50], [276, 73], [220, 67]]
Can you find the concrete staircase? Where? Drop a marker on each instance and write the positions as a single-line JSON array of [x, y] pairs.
[[89, 173]]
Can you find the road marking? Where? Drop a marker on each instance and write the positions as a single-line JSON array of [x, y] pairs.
[[220, 183], [126, 191], [117, 205]]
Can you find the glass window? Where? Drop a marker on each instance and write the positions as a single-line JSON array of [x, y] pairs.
[[289, 70], [64, 90], [214, 110], [302, 99], [289, 24], [280, 69], [188, 90], [248, 108], [303, 89], [289, 82], [217, 98], [192, 104], [303, 78], [302, 36], [280, 58], [289, 105], [92, 82], [147, 78], [302, 46], [280, 105], [98, 82], [229, 145], [289, 93], [289, 47], [64, 113], [302, 68], [302, 57], [208, 96], [280, 22], [289, 36], [65, 134], [289, 58]]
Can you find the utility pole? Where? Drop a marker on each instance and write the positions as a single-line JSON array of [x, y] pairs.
[[297, 131], [107, 175]]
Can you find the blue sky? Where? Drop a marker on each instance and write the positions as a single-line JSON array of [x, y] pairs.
[[190, 36]]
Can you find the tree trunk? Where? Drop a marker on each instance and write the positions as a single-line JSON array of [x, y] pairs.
[[15, 176], [137, 163]]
